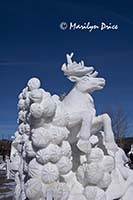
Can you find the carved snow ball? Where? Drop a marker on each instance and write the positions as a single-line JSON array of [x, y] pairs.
[[101, 195], [21, 104], [40, 137], [96, 155], [36, 95], [64, 165], [90, 192], [60, 191], [108, 163], [35, 168], [20, 96], [33, 83], [24, 128], [30, 152], [50, 173], [93, 139], [25, 166], [22, 115], [49, 106], [21, 128], [58, 134], [27, 129], [36, 110], [94, 173], [80, 174], [33, 189], [94, 193], [42, 156], [105, 181], [51, 153], [27, 103], [25, 92], [54, 152], [66, 149]]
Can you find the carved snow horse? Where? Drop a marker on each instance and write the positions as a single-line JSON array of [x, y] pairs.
[[79, 104]]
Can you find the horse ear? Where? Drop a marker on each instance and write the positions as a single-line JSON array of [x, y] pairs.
[[69, 58], [73, 78]]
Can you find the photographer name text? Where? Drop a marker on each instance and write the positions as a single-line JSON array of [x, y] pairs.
[[88, 26]]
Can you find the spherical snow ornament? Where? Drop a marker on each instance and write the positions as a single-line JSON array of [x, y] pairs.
[[90, 192], [25, 166], [64, 165], [33, 83], [101, 195], [49, 106], [96, 155], [105, 181], [80, 174], [29, 117], [55, 152], [60, 191], [22, 115], [20, 96], [66, 149], [27, 103], [36, 110], [94, 173], [27, 129], [21, 104], [25, 92], [33, 189], [50, 173], [108, 163], [40, 137], [93, 139], [51, 153], [30, 152], [42, 156], [43, 91], [58, 134], [35, 168], [21, 128], [36, 95]]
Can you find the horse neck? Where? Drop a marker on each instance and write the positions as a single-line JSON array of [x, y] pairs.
[[76, 94]]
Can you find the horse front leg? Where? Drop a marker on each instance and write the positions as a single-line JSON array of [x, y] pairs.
[[85, 132], [105, 122], [84, 120]]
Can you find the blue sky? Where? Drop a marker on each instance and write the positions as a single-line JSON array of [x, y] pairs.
[[32, 44]]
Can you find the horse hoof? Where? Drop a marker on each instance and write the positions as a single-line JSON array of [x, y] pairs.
[[84, 145]]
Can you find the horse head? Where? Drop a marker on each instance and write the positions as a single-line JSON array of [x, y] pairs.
[[88, 83]]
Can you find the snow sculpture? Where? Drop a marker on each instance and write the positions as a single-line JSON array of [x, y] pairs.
[[51, 130]]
